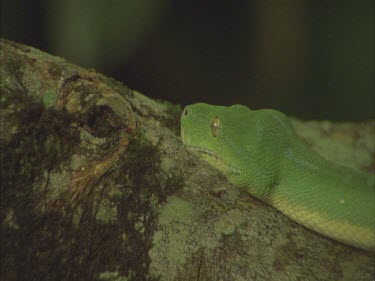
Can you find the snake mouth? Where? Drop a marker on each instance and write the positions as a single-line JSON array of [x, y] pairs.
[[185, 137], [202, 150], [213, 159], [207, 155]]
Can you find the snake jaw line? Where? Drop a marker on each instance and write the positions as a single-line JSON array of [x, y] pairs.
[[214, 160]]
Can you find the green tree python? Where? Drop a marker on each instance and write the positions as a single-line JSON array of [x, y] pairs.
[[259, 151]]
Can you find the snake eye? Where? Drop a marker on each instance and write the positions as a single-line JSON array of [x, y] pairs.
[[215, 127], [185, 112]]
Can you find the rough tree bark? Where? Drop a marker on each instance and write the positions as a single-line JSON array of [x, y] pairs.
[[96, 185]]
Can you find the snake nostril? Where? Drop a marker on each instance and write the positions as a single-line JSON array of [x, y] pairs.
[[185, 112]]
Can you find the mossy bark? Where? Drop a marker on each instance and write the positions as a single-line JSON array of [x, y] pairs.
[[96, 185]]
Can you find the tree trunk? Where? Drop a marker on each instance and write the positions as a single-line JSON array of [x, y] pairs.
[[96, 185]]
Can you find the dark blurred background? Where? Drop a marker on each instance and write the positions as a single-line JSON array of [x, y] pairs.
[[311, 59]]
